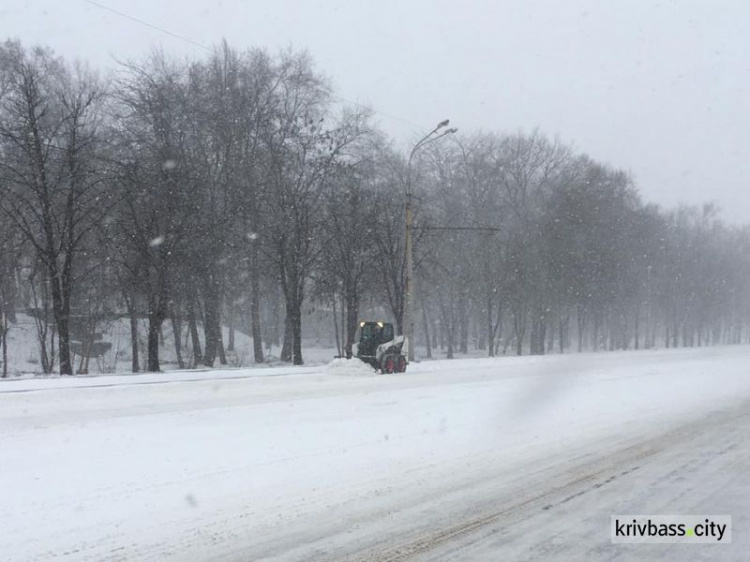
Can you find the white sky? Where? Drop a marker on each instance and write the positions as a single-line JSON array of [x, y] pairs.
[[659, 88]]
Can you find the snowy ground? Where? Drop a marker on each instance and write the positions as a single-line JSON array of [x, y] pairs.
[[24, 361], [496, 459]]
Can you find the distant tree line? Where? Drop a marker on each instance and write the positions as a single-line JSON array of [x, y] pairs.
[[234, 191]]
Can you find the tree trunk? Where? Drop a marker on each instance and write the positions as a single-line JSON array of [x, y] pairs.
[[220, 349], [212, 318], [286, 347], [596, 332], [230, 345], [449, 323], [154, 326], [63, 341], [4, 341], [464, 325], [449, 352], [537, 336], [133, 339], [637, 329], [336, 326], [296, 323], [8, 290], [561, 328], [490, 327], [41, 321], [255, 327], [352, 320], [519, 327], [61, 312], [255, 305], [427, 338], [177, 335], [581, 323], [193, 329], [157, 312], [549, 328], [342, 319]]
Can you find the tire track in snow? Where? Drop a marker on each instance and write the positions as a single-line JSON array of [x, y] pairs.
[[573, 483]]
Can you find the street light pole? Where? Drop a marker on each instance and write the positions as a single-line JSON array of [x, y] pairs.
[[408, 320], [648, 304]]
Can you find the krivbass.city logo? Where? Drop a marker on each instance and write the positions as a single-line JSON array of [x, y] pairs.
[[689, 529]]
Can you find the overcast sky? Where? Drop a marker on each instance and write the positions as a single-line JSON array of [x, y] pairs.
[[658, 88]]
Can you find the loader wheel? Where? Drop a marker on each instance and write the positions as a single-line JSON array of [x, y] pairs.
[[401, 364], [389, 364]]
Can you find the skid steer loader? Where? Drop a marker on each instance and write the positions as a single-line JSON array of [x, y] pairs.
[[379, 346]]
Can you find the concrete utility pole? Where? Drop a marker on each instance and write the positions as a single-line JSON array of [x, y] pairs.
[[408, 323]]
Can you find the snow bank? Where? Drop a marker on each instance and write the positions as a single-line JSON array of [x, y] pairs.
[[350, 367]]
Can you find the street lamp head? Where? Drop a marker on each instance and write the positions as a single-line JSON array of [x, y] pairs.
[[451, 131], [442, 124]]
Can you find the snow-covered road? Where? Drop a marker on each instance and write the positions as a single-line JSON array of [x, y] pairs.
[[510, 458]]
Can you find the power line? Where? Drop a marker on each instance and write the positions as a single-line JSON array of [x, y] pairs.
[[207, 48], [152, 26]]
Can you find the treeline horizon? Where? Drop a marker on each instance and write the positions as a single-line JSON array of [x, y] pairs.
[[235, 190]]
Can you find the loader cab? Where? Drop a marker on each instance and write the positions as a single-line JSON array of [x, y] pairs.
[[371, 335]]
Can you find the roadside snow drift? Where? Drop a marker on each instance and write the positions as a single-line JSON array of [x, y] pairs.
[[350, 367]]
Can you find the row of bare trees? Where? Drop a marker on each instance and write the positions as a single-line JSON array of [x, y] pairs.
[[234, 192], [574, 258]]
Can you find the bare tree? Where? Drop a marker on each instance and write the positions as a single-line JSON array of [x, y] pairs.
[[157, 207], [52, 180], [302, 149]]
